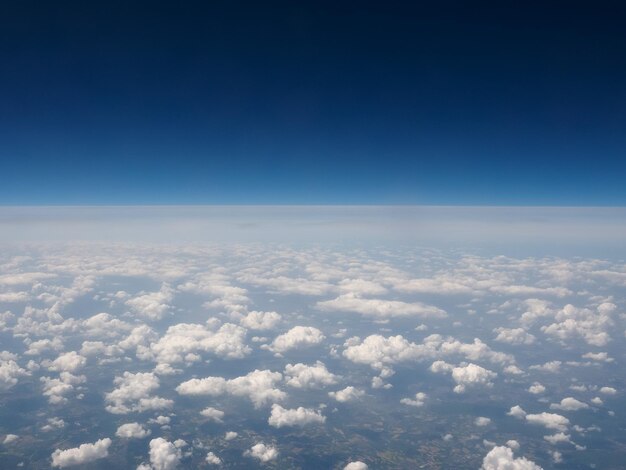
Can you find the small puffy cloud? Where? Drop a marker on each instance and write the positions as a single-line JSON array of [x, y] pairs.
[[263, 452], [132, 431], [472, 375], [68, 362], [349, 393], [569, 404], [501, 458], [164, 455], [133, 394], [213, 414], [230, 435], [300, 416], [183, 339], [260, 320], [482, 421], [152, 305], [608, 390], [517, 412], [551, 366], [10, 372], [549, 420], [56, 389], [558, 438], [379, 308], [358, 465], [212, 459], [598, 357], [259, 386], [514, 336], [82, 454], [536, 388], [572, 322], [10, 438], [419, 400], [296, 338], [304, 376]]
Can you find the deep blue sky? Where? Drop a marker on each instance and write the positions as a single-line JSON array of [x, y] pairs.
[[312, 102]]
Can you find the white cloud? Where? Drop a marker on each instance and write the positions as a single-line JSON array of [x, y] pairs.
[[558, 438], [259, 386], [213, 414], [514, 336], [68, 362], [10, 373], [608, 390], [212, 459], [549, 420], [569, 404], [262, 452], [303, 376], [418, 401], [482, 421], [133, 394], [164, 455], [517, 412], [82, 454], [10, 438], [358, 465], [471, 375], [260, 320], [230, 435], [300, 416], [180, 340], [536, 388], [132, 431], [152, 305], [501, 458], [379, 308], [296, 338], [349, 393], [572, 322]]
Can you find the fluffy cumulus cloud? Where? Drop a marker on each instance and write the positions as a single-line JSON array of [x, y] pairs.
[[259, 386], [381, 352], [83, 454], [133, 393], [502, 458], [152, 305], [281, 417], [212, 459], [470, 375], [349, 393], [68, 362], [132, 431], [357, 465], [417, 401], [378, 308], [296, 338], [514, 336], [569, 404], [260, 320], [549, 420], [183, 341], [164, 455], [572, 322], [262, 452], [10, 372], [213, 414], [305, 376]]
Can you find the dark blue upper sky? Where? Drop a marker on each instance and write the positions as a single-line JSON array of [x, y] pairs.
[[312, 102]]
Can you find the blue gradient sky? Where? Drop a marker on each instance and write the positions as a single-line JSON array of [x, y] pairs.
[[312, 102]]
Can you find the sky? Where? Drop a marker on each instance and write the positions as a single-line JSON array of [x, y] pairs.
[[445, 103]]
